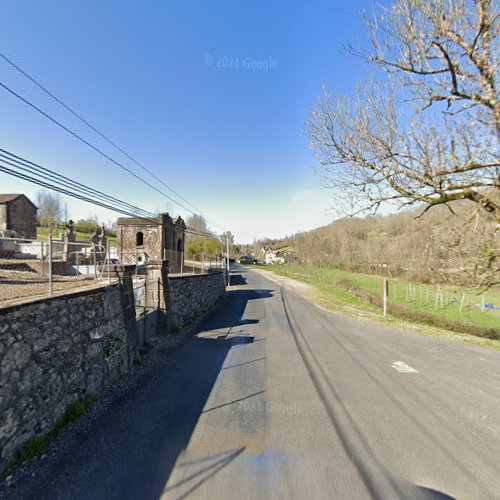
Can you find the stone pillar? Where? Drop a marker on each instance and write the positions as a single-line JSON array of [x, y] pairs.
[[128, 306], [157, 276]]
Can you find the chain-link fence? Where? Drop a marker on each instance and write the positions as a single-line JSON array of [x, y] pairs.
[[34, 268], [193, 266], [37, 268]]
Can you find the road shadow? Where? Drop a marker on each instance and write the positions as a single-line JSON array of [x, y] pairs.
[[128, 448], [432, 494], [238, 279]]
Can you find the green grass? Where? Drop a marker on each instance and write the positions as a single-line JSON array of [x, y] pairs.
[[339, 288], [176, 330], [38, 444], [74, 411], [42, 233], [34, 447]]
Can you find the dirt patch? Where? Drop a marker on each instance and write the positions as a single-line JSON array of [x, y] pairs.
[[304, 290]]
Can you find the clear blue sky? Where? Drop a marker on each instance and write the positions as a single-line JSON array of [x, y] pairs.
[[151, 76]]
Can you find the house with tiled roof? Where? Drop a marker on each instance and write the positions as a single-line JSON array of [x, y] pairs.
[[17, 216]]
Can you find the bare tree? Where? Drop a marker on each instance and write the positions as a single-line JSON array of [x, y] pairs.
[[197, 223], [51, 208], [427, 130]]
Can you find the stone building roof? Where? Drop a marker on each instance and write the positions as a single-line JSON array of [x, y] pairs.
[[160, 219], [7, 198]]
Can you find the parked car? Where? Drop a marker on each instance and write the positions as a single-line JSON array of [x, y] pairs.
[[246, 259]]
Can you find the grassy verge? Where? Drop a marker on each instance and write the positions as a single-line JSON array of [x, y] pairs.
[[38, 444], [359, 295]]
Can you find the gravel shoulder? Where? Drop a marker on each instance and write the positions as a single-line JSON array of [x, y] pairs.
[[313, 295]]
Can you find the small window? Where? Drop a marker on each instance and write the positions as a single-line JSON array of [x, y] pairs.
[[139, 239], [179, 245]]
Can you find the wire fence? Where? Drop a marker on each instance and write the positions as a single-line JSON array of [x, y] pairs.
[[34, 268], [432, 298]]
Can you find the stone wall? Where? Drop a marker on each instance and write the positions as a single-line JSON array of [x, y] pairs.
[[54, 351], [191, 295], [20, 217], [161, 238], [126, 242], [3, 216]]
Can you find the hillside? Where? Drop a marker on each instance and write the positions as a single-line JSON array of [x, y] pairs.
[[447, 244]]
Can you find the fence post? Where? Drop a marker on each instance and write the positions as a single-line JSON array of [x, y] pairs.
[[41, 258], [50, 264], [95, 261], [145, 309], [385, 293], [462, 302], [108, 259]]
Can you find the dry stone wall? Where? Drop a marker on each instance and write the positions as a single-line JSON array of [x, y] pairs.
[[192, 295], [56, 350]]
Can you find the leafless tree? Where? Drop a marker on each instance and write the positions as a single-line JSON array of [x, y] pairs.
[[50, 208], [426, 129]]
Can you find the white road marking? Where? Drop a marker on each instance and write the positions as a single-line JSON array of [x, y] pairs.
[[402, 367]]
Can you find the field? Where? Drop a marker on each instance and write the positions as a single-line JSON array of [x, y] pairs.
[[454, 308], [42, 233]]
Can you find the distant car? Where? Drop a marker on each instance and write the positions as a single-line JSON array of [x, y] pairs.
[[246, 259]]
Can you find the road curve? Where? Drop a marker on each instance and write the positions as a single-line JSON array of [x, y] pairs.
[[276, 398]]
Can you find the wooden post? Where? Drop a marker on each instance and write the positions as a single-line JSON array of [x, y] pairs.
[[385, 294], [462, 302]]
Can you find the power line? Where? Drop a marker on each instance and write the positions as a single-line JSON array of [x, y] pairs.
[[50, 175], [74, 134], [45, 177], [83, 120], [95, 148], [199, 233], [61, 190]]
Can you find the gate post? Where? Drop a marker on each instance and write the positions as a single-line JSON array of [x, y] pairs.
[[158, 271]]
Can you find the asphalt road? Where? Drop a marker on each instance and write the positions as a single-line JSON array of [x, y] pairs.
[[275, 398]]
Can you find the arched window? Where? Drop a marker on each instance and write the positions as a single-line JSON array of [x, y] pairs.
[[139, 239]]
